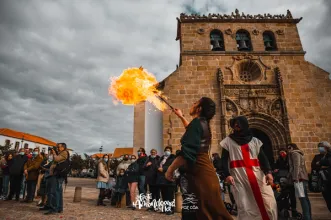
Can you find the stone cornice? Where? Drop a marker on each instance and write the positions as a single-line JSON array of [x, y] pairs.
[[237, 17], [230, 53]]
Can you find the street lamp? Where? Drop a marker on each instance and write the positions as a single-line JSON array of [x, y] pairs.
[[22, 141], [100, 149]]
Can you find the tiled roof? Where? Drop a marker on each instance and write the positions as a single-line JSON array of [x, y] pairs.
[[28, 137], [100, 155], [123, 150]]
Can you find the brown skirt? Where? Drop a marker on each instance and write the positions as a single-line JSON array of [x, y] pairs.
[[204, 184]]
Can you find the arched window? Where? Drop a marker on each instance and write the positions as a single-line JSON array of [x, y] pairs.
[[269, 41], [243, 40], [216, 40]]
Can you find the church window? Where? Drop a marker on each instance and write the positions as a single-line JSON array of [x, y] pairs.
[[243, 40], [216, 40], [269, 41], [7, 142], [17, 145], [249, 71]]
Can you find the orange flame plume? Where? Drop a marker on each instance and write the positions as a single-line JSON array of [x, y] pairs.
[[135, 85]]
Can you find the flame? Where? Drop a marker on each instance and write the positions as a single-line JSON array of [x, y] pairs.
[[135, 85]]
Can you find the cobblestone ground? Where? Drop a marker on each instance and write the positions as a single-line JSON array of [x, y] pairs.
[[87, 208]]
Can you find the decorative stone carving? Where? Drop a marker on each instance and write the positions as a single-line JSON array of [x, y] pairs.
[[220, 77], [278, 75], [228, 31], [276, 109], [201, 31], [255, 32], [231, 109], [280, 32], [236, 16]]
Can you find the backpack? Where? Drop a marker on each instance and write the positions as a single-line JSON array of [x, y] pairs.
[[62, 169]]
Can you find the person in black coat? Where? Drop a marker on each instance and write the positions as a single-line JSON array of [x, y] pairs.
[[167, 187], [281, 167], [16, 175], [325, 173], [142, 157], [132, 178], [120, 188], [150, 172]]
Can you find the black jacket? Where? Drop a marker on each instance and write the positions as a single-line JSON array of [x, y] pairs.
[[281, 164], [132, 173], [317, 158], [17, 168], [141, 162], [326, 162], [150, 172], [121, 184], [218, 165], [6, 168], [160, 179]]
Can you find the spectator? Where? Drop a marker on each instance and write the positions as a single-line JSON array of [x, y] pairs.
[[132, 178], [315, 164], [326, 173], [124, 164], [102, 179], [120, 188], [1, 177], [150, 172], [31, 172], [44, 172], [50, 181], [142, 157], [60, 163], [298, 173], [16, 175], [167, 187], [5, 165]]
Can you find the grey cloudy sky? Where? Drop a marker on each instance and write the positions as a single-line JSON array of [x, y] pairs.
[[56, 58]]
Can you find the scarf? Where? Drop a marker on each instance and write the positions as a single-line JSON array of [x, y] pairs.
[[244, 136], [163, 161]]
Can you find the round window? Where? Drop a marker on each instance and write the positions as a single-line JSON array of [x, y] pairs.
[[249, 71]]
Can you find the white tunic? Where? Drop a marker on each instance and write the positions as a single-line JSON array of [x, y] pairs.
[[254, 198]]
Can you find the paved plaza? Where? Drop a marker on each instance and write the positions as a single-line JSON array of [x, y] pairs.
[[87, 208]]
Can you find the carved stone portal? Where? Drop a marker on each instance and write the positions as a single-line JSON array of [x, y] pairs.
[[247, 99]]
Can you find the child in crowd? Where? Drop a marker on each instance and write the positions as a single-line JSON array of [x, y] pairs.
[[120, 187]]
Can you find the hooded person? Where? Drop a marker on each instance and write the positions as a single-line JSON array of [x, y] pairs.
[[124, 164], [249, 173]]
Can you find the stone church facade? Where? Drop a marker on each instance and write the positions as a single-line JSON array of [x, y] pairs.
[[250, 65]]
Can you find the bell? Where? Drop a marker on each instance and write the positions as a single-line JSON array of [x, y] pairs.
[[242, 45], [268, 45], [216, 45]]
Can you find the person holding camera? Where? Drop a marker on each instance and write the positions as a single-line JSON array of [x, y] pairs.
[[58, 172]]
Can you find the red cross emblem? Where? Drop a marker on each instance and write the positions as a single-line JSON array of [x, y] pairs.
[[248, 164]]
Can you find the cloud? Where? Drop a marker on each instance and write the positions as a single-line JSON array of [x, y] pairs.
[[56, 58]]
